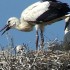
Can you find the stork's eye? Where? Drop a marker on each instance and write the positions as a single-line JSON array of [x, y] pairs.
[[8, 21]]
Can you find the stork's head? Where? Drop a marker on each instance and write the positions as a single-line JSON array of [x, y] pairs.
[[11, 23], [19, 48]]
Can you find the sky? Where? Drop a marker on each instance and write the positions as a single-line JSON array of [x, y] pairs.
[[14, 8]]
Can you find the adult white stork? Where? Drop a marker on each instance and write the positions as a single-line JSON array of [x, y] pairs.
[[39, 14], [66, 40]]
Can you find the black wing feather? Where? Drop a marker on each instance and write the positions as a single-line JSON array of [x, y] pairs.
[[56, 10]]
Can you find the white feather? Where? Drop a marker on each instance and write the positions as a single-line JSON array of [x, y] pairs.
[[67, 34], [68, 27], [35, 10]]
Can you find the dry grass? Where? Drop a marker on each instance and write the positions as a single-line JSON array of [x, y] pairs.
[[52, 57]]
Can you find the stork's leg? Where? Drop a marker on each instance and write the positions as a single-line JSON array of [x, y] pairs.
[[37, 39], [42, 39]]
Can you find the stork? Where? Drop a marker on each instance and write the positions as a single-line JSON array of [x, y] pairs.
[[39, 14], [66, 40]]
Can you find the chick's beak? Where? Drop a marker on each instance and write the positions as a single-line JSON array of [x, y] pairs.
[[5, 28]]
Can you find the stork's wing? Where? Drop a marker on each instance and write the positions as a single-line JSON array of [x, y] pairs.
[[56, 10], [35, 10], [45, 11]]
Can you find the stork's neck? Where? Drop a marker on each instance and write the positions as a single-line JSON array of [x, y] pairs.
[[24, 26]]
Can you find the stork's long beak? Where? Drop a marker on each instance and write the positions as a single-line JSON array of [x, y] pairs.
[[5, 28]]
